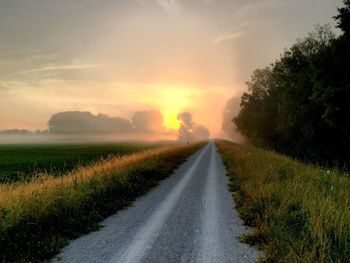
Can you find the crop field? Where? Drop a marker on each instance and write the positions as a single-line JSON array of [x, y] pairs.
[[23, 162]]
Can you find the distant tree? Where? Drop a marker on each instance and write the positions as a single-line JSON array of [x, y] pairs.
[[190, 131], [16, 132]]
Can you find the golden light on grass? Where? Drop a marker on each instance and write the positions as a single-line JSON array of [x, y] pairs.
[[46, 188], [48, 184], [47, 210]]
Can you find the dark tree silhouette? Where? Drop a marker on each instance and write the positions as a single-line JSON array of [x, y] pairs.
[[300, 104]]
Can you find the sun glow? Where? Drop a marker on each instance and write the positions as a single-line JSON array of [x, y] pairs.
[[173, 100], [171, 122]]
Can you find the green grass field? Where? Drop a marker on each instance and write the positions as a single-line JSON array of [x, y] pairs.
[[301, 213], [22, 162]]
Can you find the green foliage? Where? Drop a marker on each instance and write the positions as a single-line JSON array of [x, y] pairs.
[[300, 105], [300, 213], [343, 17], [259, 107]]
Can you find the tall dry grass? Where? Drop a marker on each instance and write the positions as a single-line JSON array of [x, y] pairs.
[[301, 212], [38, 217]]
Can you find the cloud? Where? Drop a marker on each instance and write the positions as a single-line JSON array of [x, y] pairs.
[[77, 122], [236, 32], [190, 131], [62, 67], [148, 121], [226, 36], [255, 9], [168, 4], [233, 33], [9, 50]]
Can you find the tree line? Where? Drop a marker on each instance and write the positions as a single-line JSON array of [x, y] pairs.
[[300, 104]]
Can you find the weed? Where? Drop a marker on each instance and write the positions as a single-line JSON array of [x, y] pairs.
[[301, 213]]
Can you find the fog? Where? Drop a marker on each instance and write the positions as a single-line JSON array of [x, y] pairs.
[[78, 126], [228, 125], [76, 122], [118, 57], [189, 130], [148, 121]]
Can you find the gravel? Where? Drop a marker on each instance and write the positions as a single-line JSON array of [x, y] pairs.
[[189, 217]]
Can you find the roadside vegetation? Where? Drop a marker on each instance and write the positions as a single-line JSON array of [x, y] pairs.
[[299, 105], [300, 213], [25, 161], [37, 218]]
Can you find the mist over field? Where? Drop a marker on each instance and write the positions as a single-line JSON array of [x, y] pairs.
[[229, 127], [77, 126], [129, 68]]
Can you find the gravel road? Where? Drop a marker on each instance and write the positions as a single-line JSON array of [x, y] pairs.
[[189, 217]]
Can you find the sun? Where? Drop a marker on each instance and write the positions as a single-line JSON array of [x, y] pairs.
[[174, 100], [171, 123], [171, 99]]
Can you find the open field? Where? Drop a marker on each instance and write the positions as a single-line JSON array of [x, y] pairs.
[[22, 162], [301, 212], [38, 218]]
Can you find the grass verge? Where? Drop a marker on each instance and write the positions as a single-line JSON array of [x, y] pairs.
[[38, 218], [301, 213]]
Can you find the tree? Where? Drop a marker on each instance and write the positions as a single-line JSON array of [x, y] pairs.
[[257, 117], [300, 104], [343, 18]]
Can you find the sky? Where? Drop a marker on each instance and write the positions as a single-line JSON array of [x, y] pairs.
[[118, 57]]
